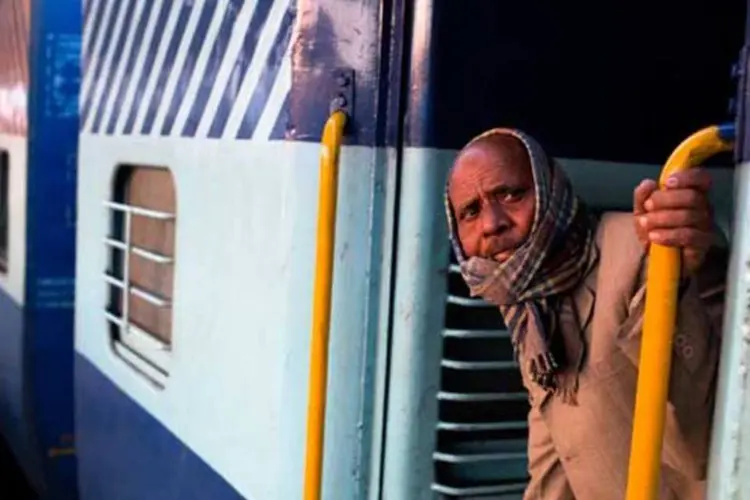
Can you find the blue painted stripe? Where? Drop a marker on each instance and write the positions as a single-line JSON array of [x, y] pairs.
[[130, 66], [267, 78], [113, 82], [101, 7], [189, 67], [50, 195], [152, 48], [87, 8], [239, 72], [260, 15], [126, 453], [280, 127], [116, 62], [166, 66], [101, 58]]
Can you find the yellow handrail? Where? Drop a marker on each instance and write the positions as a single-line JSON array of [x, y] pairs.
[[316, 404], [658, 328]]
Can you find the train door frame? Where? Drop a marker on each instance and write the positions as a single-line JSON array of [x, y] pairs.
[[728, 460]]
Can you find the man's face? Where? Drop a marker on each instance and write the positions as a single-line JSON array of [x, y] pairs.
[[492, 194]]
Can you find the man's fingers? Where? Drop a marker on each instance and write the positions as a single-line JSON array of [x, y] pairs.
[[670, 199], [678, 215], [675, 218], [692, 178], [641, 193]]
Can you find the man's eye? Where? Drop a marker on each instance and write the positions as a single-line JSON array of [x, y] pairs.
[[470, 211], [513, 195]]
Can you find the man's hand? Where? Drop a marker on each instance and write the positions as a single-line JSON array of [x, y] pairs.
[[677, 216]]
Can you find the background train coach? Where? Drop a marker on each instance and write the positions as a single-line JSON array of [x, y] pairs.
[[39, 85]]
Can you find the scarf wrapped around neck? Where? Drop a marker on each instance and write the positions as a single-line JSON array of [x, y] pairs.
[[552, 261]]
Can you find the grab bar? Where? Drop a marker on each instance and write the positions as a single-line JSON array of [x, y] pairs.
[[321, 317], [658, 327]]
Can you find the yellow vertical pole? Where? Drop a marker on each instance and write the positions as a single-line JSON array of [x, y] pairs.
[[321, 314], [658, 329]]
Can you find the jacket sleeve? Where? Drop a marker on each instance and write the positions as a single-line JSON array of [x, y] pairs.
[[547, 475], [695, 359]]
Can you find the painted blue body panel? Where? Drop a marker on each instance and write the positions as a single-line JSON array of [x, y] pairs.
[[38, 345], [125, 444]]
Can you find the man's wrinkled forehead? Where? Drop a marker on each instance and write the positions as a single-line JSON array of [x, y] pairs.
[[501, 159]]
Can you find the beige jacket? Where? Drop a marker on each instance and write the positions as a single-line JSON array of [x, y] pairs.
[[581, 452]]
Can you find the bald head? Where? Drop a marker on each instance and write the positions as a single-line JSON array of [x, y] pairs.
[[491, 191], [504, 150]]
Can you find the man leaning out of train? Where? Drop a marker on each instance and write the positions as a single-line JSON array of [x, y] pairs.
[[570, 286]]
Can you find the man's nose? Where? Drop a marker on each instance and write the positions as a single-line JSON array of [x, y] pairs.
[[494, 220]]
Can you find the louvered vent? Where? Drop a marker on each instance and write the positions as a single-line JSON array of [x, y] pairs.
[[482, 428]]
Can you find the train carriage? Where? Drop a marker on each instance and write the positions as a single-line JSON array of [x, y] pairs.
[[159, 171], [200, 130]]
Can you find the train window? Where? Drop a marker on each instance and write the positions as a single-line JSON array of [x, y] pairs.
[[141, 267], [4, 194]]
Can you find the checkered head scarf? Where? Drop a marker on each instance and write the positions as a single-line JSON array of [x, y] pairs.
[[552, 261]]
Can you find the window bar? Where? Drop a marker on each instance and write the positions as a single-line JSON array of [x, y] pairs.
[[143, 212], [114, 281], [152, 256], [126, 278], [141, 252], [149, 297], [468, 302], [114, 319], [115, 243]]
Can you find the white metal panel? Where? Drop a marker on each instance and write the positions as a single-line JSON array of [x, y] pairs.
[[237, 388], [13, 281]]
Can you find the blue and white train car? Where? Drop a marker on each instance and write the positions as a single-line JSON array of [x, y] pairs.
[[199, 130], [192, 201], [39, 79]]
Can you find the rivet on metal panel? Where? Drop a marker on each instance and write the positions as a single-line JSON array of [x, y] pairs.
[[342, 80], [339, 102], [342, 91]]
